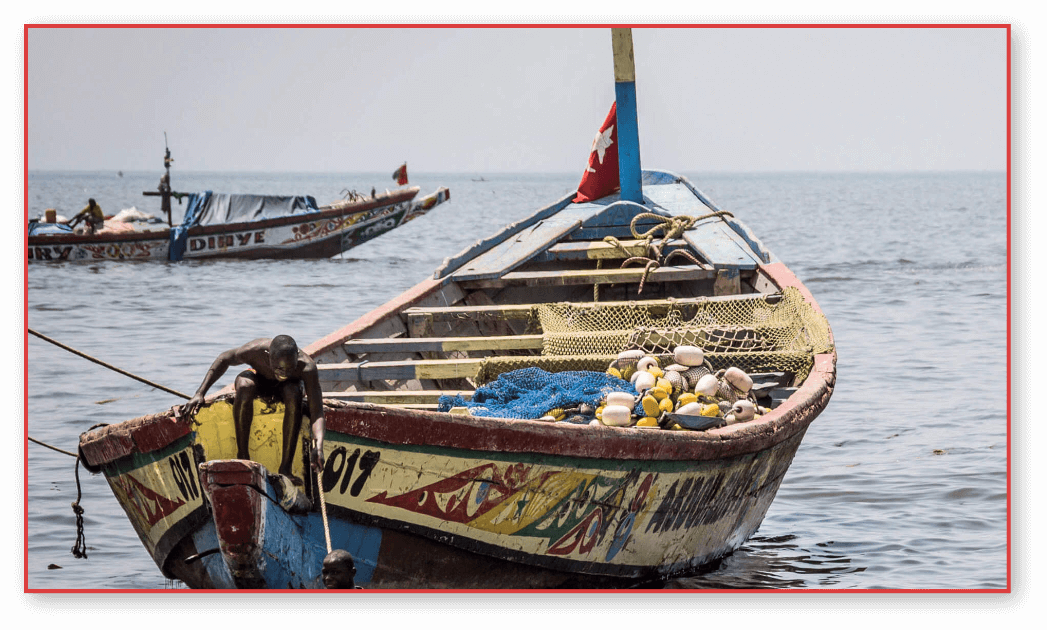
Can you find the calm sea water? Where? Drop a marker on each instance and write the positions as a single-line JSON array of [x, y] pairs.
[[900, 483]]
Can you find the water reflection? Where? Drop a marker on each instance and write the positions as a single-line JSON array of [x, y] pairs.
[[774, 562]]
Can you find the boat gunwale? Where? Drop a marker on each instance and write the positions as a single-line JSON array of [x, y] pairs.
[[478, 434], [372, 420], [439, 429], [431, 428]]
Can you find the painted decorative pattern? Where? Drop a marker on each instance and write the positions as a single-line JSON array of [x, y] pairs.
[[158, 492], [593, 511], [138, 250]]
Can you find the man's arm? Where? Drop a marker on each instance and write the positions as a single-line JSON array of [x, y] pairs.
[[215, 372], [311, 378], [79, 216]]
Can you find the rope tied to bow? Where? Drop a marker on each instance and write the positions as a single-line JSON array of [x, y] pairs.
[[80, 546], [671, 228]]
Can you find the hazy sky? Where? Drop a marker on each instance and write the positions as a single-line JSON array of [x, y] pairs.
[[514, 100]]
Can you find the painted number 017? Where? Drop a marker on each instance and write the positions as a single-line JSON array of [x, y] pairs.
[[340, 467]]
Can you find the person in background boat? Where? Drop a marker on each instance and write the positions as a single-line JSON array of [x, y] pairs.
[[338, 570], [280, 371], [92, 215]]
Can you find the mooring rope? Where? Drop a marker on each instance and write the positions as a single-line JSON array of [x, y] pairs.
[[106, 365], [53, 448], [323, 508], [80, 547]]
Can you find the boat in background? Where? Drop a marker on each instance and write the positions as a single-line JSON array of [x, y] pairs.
[[435, 477], [238, 226]]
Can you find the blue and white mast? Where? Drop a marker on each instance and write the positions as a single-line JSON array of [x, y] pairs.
[[628, 132]]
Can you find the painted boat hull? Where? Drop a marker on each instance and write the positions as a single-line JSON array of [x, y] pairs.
[[467, 519], [427, 499], [613, 507], [315, 235]]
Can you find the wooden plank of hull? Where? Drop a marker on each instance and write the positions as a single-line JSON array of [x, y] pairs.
[[417, 518], [261, 545], [541, 523], [158, 490]]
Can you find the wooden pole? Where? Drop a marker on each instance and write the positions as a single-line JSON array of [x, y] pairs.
[[629, 173]]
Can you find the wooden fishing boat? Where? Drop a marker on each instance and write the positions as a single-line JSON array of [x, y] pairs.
[[426, 488], [238, 226]]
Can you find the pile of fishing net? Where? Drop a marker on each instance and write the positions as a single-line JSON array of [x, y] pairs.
[[531, 393]]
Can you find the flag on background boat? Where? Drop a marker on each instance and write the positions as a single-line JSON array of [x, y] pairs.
[[601, 176], [400, 175]]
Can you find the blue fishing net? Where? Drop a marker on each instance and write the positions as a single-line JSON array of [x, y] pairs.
[[531, 392]]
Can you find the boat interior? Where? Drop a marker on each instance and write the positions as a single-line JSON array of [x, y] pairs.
[[571, 290]]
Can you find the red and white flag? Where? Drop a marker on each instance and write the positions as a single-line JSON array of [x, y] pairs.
[[400, 175], [601, 176]]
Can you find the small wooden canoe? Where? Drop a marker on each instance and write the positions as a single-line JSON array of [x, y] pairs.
[[465, 446]]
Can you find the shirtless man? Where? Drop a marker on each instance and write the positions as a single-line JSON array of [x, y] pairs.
[[278, 371]]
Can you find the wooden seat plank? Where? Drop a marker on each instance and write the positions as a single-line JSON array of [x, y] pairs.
[[523, 311], [601, 250], [593, 276], [434, 369], [398, 397], [443, 344]]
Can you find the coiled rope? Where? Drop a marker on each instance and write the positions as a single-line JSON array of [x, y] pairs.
[[80, 546], [671, 228]]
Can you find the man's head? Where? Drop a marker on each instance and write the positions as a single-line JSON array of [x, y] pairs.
[[283, 357], [90, 202], [338, 570]]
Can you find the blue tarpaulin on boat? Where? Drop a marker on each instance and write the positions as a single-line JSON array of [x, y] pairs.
[[207, 208], [40, 228]]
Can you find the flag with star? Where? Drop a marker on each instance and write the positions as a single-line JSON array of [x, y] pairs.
[[400, 175], [601, 176]]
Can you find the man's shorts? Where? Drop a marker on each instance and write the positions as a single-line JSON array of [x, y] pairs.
[[268, 389]]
